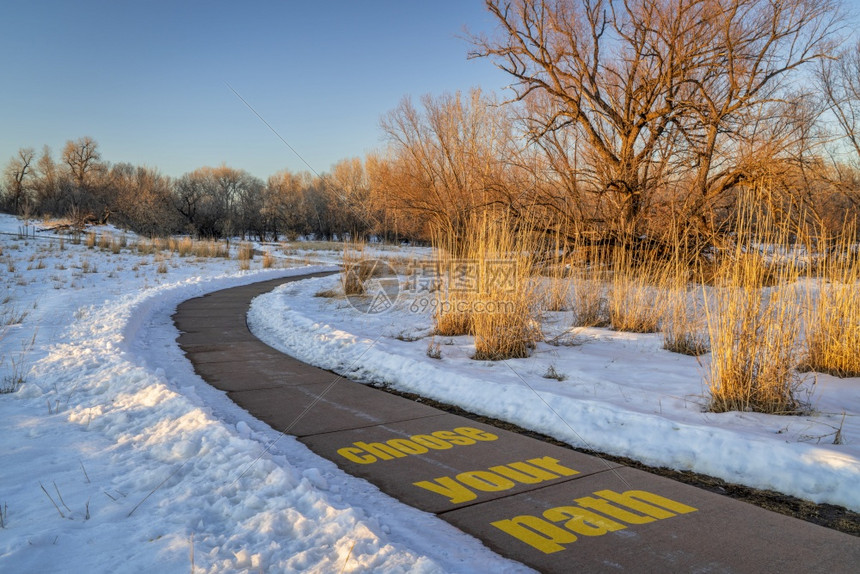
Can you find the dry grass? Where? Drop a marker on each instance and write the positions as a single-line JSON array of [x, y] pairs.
[[357, 268], [588, 278], [833, 317], [268, 260], [754, 323], [452, 314], [555, 291], [555, 288], [211, 249], [144, 247], [637, 295], [488, 290], [245, 254], [683, 325], [183, 246]]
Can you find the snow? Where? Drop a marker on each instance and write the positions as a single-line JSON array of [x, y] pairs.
[[623, 394], [143, 464]]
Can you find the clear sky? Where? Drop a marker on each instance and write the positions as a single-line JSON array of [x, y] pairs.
[[149, 79]]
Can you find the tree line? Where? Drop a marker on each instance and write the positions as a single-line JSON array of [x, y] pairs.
[[210, 202], [628, 118]]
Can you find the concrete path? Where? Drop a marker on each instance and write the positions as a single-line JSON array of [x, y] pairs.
[[552, 508]]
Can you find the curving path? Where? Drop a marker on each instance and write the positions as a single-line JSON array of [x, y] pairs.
[[552, 508]]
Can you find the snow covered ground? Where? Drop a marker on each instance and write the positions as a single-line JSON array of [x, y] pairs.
[[116, 457], [622, 393]]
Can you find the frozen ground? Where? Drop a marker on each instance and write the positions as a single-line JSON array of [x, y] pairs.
[[116, 457], [622, 393]]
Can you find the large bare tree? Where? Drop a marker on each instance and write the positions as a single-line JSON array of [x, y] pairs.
[[654, 93]]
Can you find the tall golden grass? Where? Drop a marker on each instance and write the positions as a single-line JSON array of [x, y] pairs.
[[452, 312], [357, 268], [590, 272], [683, 324], [832, 342], [488, 289], [754, 320], [555, 285], [637, 296], [505, 304], [245, 254]]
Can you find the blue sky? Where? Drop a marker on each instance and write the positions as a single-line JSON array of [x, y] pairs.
[[148, 80]]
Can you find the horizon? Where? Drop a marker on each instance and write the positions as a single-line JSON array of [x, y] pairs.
[[154, 84]]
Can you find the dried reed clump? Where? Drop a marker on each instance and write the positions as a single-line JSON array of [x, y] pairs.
[[832, 342], [683, 324], [488, 289], [358, 267], [268, 260], [588, 279], [185, 247], [754, 322], [555, 281], [637, 291], [245, 254], [452, 311]]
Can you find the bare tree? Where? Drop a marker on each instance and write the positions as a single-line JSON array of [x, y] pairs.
[[142, 200], [220, 201], [286, 206], [48, 184], [839, 80], [654, 93], [742, 112], [349, 186], [83, 162], [18, 177], [446, 158]]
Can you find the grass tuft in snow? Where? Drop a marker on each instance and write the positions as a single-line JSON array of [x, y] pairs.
[[434, 350], [268, 260], [754, 322], [589, 301], [552, 373], [637, 293], [15, 367], [683, 326], [245, 254], [488, 289], [833, 319], [358, 267]]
